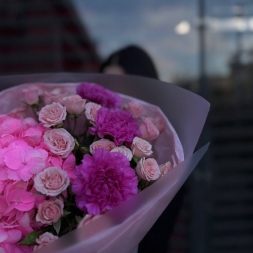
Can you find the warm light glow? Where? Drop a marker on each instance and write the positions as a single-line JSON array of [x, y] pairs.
[[183, 28]]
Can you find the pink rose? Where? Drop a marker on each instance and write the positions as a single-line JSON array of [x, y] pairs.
[[31, 95], [135, 109], [159, 124], [50, 211], [103, 143], [125, 151], [74, 104], [91, 111], [44, 240], [51, 181], [148, 129], [165, 168], [59, 141], [53, 114], [55, 95], [148, 169], [141, 148], [87, 219]]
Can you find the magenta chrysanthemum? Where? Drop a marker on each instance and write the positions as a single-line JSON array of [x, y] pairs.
[[104, 181], [116, 123], [98, 94]]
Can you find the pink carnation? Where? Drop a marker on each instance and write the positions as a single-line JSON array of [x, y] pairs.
[[104, 181], [116, 123], [98, 94]]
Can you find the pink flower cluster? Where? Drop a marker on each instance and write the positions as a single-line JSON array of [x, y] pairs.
[[25, 156], [41, 186]]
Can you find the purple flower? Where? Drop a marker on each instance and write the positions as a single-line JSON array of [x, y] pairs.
[[98, 94], [116, 123], [103, 181]]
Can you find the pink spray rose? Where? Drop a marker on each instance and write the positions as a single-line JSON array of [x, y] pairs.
[[165, 168], [52, 115], [102, 175], [59, 141], [74, 104], [124, 151], [141, 148], [51, 181], [91, 111], [55, 95], [148, 129], [135, 109], [44, 240], [50, 211], [87, 219], [103, 143], [148, 169], [31, 95]]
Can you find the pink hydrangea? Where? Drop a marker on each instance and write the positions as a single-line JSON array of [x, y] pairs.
[[9, 241], [116, 123], [98, 94], [104, 181]]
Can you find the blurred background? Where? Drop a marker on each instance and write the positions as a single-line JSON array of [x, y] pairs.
[[205, 46]]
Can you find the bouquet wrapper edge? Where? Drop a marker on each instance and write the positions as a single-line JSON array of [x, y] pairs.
[[128, 223], [121, 229]]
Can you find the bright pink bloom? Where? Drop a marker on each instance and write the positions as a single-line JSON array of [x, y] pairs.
[[52, 115], [116, 123], [23, 161], [9, 239], [52, 181], [98, 94], [50, 211], [104, 181], [44, 240], [9, 125], [17, 197]]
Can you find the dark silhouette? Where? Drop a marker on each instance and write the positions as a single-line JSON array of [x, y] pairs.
[[135, 61]]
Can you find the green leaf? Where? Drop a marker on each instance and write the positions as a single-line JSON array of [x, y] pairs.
[[136, 159], [78, 219], [30, 239], [65, 213], [57, 226], [84, 150]]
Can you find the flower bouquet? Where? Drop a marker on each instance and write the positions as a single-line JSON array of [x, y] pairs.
[[84, 167]]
